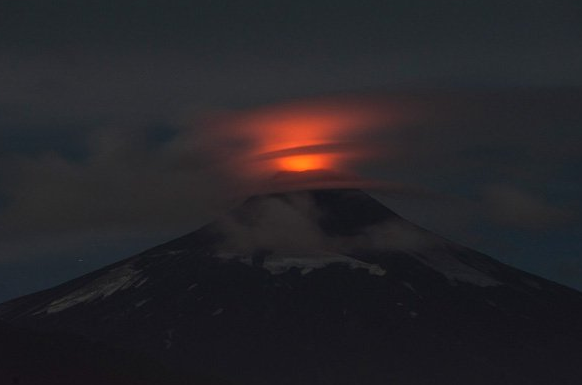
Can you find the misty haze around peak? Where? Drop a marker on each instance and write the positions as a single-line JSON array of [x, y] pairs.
[[291, 223], [457, 163]]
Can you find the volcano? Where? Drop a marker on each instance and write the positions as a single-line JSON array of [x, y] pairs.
[[322, 287]]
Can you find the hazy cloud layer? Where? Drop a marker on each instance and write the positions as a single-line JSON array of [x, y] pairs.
[[291, 225], [121, 182], [513, 207], [466, 147]]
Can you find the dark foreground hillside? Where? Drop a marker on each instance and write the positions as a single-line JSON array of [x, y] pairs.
[[33, 358]]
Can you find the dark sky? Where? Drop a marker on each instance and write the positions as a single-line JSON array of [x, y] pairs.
[[99, 156]]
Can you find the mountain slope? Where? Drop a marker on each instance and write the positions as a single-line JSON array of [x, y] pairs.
[[34, 358], [323, 287]]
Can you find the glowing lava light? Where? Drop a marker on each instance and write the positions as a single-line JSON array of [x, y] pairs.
[[304, 162]]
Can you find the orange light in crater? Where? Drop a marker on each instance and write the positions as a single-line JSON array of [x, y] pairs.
[[304, 162]]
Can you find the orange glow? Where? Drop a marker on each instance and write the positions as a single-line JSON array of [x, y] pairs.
[[308, 135], [333, 133], [304, 162]]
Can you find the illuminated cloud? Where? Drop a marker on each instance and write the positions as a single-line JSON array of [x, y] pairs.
[[331, 133]]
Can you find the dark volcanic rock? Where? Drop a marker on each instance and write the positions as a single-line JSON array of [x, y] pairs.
[[323, 287], [40, 358]]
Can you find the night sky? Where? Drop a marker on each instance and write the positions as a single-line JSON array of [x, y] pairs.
[[105, 110]]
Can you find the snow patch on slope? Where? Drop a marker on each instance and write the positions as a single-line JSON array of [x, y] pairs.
[[428, 248], [141, 303], [306, 262], [116, 279], [217, 312]]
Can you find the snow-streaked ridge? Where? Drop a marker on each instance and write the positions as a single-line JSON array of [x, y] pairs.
[[116, 279], [455, 270], [306, 262]]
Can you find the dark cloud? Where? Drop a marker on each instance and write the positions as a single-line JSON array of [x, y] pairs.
[[328, 179], [208, 27], [68, 62], [513, 207], [122, 182], [527, 137]]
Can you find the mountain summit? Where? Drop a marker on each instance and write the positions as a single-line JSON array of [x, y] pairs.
[[322, 287]]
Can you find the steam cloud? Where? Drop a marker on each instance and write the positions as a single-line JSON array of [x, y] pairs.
[[291, 225]]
